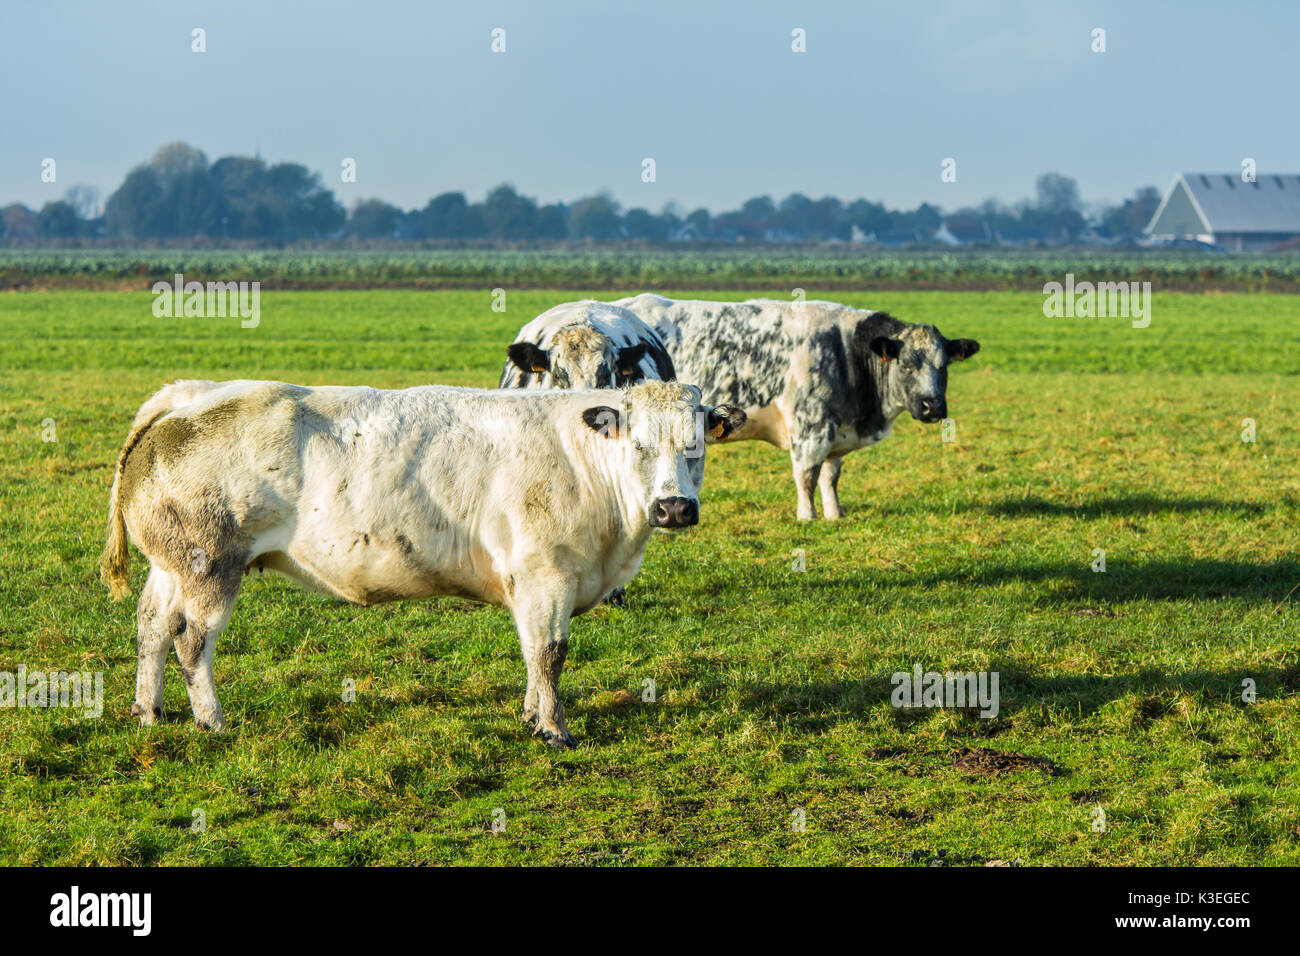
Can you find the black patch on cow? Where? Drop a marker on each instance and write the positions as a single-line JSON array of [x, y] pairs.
[[663, 363], [959, 349], [602, 419], [885, 349], [528, 357], [874, 326], [629, 362], [723, 420]]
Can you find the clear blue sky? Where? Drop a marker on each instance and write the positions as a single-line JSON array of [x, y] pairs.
[[711, 91]]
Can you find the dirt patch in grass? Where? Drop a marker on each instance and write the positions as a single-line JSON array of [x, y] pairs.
[[884, 753], [985, 762]]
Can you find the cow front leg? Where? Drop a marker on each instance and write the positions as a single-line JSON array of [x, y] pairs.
[[160, 616], [805, 482], [828, 485], [543, 625]]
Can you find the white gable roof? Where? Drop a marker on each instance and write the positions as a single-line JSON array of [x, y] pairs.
[[1271, 204]]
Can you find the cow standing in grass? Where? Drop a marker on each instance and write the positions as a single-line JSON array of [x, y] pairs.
[[541, 502], [816, 378]]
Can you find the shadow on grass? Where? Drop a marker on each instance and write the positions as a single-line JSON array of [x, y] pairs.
[[1184, 578], [1115, 506], [1154, 694], [1127, 506]]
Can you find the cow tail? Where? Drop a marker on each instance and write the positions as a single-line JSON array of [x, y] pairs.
[[116, 559]]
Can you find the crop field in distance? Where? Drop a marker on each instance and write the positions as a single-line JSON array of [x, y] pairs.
[[575, 266]]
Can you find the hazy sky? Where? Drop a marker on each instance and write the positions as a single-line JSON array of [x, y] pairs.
[[711, 91]]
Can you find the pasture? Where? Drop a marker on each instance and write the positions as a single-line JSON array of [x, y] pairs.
[[772, 684]]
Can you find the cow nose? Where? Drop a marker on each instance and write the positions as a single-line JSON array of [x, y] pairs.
[[933, 409], [674, 513]]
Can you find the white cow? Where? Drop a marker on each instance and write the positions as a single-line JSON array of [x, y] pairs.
[[538, 501]]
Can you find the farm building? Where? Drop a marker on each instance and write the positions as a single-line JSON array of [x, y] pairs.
[[1222, 209], [963, 232]]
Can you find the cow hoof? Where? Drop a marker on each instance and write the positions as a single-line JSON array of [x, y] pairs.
[[617, 598], [529, 717], [147, 717], [564, 741], [217, 725]]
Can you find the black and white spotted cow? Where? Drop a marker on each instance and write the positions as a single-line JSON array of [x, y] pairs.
[[817, 378], [540, 502], [585, 345]]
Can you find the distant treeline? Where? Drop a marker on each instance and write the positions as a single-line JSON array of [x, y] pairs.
[[178, 194]]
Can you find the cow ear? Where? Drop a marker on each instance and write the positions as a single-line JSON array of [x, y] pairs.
[[630, 357], [722, 421], [529, 357], [603, 419], [959, 349], [886, 348]]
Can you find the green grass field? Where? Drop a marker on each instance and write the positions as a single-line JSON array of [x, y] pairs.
[[773, 684]]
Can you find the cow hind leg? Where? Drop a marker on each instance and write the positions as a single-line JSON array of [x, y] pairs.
[[543, 626], [805, 483], [160, 616], [208, 605], [828, 484]]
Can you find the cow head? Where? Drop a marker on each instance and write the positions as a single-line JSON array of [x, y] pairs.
[[914, 365], [661, 430], [580, 357]]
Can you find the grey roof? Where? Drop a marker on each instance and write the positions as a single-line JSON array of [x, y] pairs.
[[1270, 204]]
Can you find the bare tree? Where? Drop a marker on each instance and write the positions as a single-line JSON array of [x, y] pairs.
[[85, 201]]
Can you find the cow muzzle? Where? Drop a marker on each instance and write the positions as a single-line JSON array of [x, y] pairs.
[[932, 409], [674, 512]]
